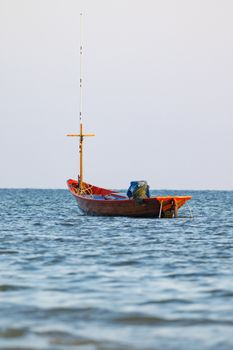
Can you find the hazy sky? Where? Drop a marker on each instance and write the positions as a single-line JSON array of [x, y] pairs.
[[158, 92]]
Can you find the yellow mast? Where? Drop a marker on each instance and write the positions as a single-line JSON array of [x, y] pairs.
[[81, 135]]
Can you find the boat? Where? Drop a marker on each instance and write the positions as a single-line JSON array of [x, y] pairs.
[[93, 200]]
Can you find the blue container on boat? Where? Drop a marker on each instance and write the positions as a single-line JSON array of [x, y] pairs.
[[136, 186]]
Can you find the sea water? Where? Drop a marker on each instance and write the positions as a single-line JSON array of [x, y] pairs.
[[70, 281]]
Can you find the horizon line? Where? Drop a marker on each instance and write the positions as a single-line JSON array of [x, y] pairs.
[[117, 189]]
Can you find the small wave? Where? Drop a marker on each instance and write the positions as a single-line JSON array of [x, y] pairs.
[[191, 274], [58, 338], [13, 332], [86, 343], [146, 320], [78, 312], [65, 223], [38, 224], [8, 251], [72, 341], [137, 319], [11, 288], [167, 301], [54, 260], [219, 292], [126, 263]]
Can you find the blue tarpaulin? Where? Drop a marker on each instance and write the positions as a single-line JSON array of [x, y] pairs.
[[138, 189]]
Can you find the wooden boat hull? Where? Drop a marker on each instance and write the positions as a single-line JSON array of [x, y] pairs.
[[145, 208], [102, 202]]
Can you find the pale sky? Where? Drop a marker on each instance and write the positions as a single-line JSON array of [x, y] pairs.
[[158, 92]]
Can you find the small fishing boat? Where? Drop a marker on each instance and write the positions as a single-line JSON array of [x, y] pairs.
[[93, 200]]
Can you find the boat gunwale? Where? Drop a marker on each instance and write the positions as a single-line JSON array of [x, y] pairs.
[[124, 198]]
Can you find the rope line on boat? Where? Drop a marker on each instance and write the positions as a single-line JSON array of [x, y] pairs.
[[160, 209], [86, 190]]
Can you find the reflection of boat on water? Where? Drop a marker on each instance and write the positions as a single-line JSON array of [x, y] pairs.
[[94, 200]]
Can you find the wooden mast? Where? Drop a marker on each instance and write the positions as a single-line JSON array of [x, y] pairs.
[[81, 135]]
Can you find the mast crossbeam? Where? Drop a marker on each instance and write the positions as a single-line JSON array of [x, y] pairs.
[[79, 135]]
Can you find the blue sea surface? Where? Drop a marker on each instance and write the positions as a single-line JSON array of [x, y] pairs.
[[70, 281]]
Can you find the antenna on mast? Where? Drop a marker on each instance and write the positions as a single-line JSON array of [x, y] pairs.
[[80, 70], [81, 135]]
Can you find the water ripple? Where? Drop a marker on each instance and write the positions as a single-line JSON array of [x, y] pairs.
[[69, 281]]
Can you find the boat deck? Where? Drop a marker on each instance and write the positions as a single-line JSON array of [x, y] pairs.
[[106, 197]]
